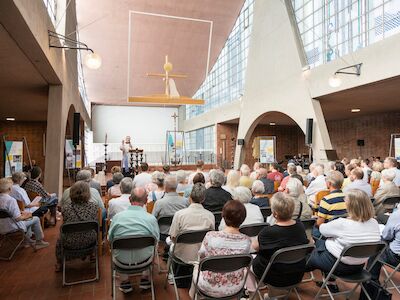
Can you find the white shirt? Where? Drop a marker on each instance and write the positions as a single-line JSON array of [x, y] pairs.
[[344, 232], [19, 194], [317, 185], [359, 184], [142, 180], [366, 170], [396, 180], [253, 216], [10, 205], [117, 205]]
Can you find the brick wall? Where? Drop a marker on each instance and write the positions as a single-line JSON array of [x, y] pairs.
[[33, 132], [375, 130]]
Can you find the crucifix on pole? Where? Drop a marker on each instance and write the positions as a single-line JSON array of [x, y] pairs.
[[175, 116]]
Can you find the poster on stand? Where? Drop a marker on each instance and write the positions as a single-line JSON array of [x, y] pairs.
[[397, 148], [70, 162], [13, 157], [267, 150]]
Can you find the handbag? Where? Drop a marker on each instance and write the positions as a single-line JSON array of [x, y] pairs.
[[375, 291]]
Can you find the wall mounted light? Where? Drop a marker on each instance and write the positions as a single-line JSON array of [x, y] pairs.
[[10, 119], [92, 60], [355, 110], [272, 124], [336, 81]]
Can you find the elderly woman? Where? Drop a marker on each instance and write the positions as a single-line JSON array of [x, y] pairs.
[[259, 198], [216, 196], [115, 190], [253, 212], [387, 189], [245, 179], [377, 168], [232, 181], [292, 170], [79, 209], [157, 179], [359, 227], [198, 178], [115, 169], [286, 232], [226, 242], [182, 179]]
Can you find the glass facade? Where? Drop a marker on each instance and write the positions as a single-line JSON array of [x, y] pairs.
[[225, 82], [333, 28], [51, 6], [200, 144]]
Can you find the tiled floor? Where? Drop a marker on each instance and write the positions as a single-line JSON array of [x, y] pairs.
[[31, 276]]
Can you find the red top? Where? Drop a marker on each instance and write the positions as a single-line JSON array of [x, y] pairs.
[[275, 176]]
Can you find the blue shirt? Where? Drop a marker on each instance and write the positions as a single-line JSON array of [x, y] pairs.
[[391, 232], [133, 221]]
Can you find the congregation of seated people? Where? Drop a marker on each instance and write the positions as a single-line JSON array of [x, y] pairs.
[[345, 200]]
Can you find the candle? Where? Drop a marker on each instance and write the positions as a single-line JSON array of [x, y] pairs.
[[105, 139]]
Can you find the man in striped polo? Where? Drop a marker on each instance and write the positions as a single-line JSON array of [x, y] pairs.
[[332, 205]]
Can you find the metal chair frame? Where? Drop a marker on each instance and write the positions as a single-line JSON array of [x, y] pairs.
[[4, 214], [164, 220], [252, 230], [266, 212], [389, 277]]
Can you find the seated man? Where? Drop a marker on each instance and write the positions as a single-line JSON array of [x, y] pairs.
[[135, 221], [216, 196], [33, 185], [357, 182], [93, 182], [121, 203], [195, 217], [19, 194], [268, 183], [24, 220], [168, 205], [387, 189], [390, 163], [143, 179], [86, 176], [316, 185], [333, 204]]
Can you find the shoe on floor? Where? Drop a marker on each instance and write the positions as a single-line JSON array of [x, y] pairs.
[[126, 287], [41, 244], [145, 284]]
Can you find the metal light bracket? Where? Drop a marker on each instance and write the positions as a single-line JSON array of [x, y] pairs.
[[67, 43], [356, 70]]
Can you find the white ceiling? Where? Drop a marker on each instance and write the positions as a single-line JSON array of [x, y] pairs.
[[104, 26]]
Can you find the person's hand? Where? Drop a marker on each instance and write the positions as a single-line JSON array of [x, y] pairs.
[[26, 215]]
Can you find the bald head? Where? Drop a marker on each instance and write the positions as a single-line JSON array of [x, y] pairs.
[[138, 196]]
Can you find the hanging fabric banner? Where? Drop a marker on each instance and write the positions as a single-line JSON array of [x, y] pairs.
[[13, 157]]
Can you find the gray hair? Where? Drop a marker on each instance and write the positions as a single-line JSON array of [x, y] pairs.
[[292, 169], [217, 178], [158, 178], [242, 194], [295, 187], [5, 185], [388, 174], [198, 193], [170, 182], [319, 169], [258, 187], [17, 177], [331, 165], [245, 170], [84, 175], [117, 177], [335, 178], [181, 176], [126, 185]]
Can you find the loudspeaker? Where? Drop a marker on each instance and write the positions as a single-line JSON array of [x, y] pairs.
[[309, 131], [240, 142], [360, 143], [76, 130]]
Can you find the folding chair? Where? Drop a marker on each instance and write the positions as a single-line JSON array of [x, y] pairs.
[[252, 230], [223, 264], [79, 227], [266, 212], [389, 277], [132, 243], [360, 250], [12, 240], [163, 221], [390, 203], [188, 237], [218, 218], [288, 255], [308, 225]]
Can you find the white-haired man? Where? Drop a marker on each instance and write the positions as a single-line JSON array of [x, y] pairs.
[[385, 190], [390, 163], [316, 185], [121, 203]]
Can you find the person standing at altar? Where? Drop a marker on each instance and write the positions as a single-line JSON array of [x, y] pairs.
[[125, 147]]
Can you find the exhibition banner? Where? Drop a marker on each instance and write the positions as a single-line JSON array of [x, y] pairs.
[[13, 157], [267, 150]]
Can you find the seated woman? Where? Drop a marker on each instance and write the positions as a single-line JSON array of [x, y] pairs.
[[115, 190], [253, 212], [198, 178], [79, 209], [232, 181], [259, 198], [226, 242], [294, 188], [110, 183], [182, 179], [286, 232], [158, 193], [359, 227]]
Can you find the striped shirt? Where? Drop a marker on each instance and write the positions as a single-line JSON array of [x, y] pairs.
[[332, 205]]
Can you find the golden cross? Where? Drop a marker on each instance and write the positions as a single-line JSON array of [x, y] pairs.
[[167, 68]]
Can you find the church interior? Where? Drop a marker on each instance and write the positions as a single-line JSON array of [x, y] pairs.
[[214, 149]]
